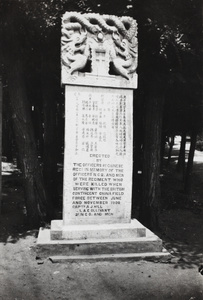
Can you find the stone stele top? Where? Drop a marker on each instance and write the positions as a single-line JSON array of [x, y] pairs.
[[99, 50]]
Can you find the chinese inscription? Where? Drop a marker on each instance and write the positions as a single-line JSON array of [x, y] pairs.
[[93, 114]]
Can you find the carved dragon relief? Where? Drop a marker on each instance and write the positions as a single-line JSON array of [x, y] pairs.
[[101, 40]]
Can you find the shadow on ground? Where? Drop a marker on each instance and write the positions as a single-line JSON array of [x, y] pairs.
[[13, 213], [182, 215]]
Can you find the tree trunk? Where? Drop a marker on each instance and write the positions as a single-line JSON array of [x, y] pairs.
[[150, 205], [153, 78], [50, 148], [7, 140], [36, 201], [1, 117], [181, 158], [8, 144], [188, 174], [37, 120], [163, 145], [171, 144], [137, 155]]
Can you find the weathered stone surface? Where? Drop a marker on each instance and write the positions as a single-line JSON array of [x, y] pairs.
[[47, 247], [97, 231], [98, 156], [149, 256], [99, 50]]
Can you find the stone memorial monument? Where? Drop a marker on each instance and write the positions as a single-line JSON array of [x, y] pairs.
[[99, 61]]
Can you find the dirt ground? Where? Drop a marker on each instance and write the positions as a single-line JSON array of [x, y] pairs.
[[24, 277]]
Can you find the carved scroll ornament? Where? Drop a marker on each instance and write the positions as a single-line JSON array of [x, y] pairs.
[[99, 44]]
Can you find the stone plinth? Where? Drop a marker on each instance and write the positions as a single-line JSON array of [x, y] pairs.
[[149, 246], [96, 231]]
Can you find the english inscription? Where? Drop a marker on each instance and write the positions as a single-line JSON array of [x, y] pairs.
[[97, 186]]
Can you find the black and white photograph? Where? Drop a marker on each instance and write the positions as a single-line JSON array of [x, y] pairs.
[[101, 150]]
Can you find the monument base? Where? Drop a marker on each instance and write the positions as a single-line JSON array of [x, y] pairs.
[[96, 231], [132, 243]]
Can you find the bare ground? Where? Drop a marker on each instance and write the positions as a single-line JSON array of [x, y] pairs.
[[24, 277]]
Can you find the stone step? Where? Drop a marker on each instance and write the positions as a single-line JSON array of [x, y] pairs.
[[47, 247], [96, 231], [149, 256]]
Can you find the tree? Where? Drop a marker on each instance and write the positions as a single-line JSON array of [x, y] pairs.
[[1, 101], [188, 180], [167, 46], [36, 201]]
